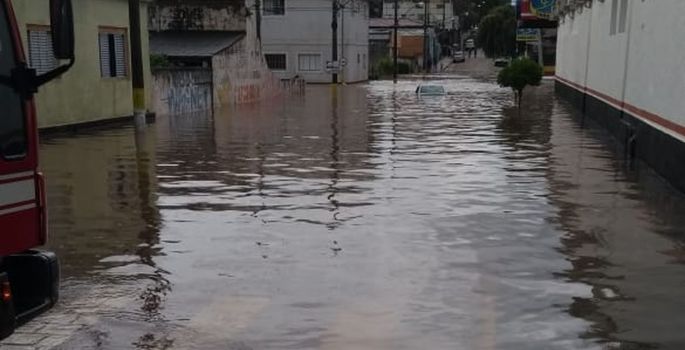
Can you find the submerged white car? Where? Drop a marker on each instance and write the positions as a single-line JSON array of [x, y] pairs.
[[430, 90]]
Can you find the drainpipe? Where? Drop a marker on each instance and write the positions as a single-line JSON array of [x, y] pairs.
[[394, 47], [631, 135], [627, 56], [137, 78], [426, 4], [342, 44], [334, 41], [541, 57], [587, 62]]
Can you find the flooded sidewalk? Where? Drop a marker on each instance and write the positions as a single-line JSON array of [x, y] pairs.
[[362, 218]]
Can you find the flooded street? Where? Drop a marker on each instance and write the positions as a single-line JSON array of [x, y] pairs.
[[365, 219]]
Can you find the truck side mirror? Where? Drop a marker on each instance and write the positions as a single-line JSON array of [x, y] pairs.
[[62, 27]]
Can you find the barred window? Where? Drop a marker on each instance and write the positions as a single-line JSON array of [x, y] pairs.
[[276, 61], [113, 55], [41, 56], [274, 7]]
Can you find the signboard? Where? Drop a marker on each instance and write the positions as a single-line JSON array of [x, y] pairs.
[[527, 34], [542, 8], [332, 67], [536, 13]]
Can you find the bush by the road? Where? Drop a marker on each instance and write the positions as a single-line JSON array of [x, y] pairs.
[[385, 67], [520, 73]]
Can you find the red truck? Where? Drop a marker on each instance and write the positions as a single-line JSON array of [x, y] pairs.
[[29, 278]]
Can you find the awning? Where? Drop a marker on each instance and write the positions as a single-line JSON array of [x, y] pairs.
[[192, 43]]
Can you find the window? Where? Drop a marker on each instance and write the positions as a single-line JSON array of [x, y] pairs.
[[276, 61], [309, 62], [41, 56], [359, 58], [13, 143], [623, 16], [614, 16], [376, 8], [113, 55], [274, 7]]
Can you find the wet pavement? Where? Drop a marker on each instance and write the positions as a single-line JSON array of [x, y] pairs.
[[363, 219]]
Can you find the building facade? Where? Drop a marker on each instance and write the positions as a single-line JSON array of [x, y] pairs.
[[214, 54], [297, 39], [440, 12], [537, 38], [98, 87], [616, 63]]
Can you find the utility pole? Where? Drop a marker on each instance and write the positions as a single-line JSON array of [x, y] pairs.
[[137, 78], [444, 14], [258, 9], [334, 28], [394, 47], [425, 34]]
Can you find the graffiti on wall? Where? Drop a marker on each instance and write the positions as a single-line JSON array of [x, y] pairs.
[[181, 91]]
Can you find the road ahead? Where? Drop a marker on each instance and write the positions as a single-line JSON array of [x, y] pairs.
[[364, 219]]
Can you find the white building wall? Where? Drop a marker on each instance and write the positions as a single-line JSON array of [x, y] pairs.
[[607, 52], [572, 49], [648, 73], [305, 28], [656, 67]]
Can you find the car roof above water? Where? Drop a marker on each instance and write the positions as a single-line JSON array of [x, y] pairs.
[[430, 89]]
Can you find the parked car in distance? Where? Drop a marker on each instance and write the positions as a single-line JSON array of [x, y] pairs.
[[458, 56], [430, 90], [501, 62]]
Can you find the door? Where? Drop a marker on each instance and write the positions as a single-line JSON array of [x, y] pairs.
[[20, 214]]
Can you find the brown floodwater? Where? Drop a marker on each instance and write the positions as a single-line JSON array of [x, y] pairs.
[[366, 218]]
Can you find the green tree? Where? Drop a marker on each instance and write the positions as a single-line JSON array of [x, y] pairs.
[[483, 7], [497, 32], [470, 12], [520, 73]]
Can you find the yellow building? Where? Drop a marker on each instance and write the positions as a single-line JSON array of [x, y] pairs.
[[98, 87]]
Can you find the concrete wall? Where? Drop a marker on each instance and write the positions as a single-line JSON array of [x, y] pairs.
[[241, 76], [630, 80], [306, 29], [182, 90], [656, 66], [239, 73], [82, 95], [640, 67], [225, 15]]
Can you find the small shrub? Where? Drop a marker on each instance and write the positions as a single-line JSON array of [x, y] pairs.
[[520, 73], [386, 67]]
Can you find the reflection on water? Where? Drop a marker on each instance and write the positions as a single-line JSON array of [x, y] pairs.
[[364, 217]]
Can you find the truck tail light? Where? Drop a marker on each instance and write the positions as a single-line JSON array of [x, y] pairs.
[[6, 292], [43, 208]]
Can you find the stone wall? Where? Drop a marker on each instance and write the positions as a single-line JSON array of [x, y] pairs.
[[241, 75], [226, 15], [181, 90]]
